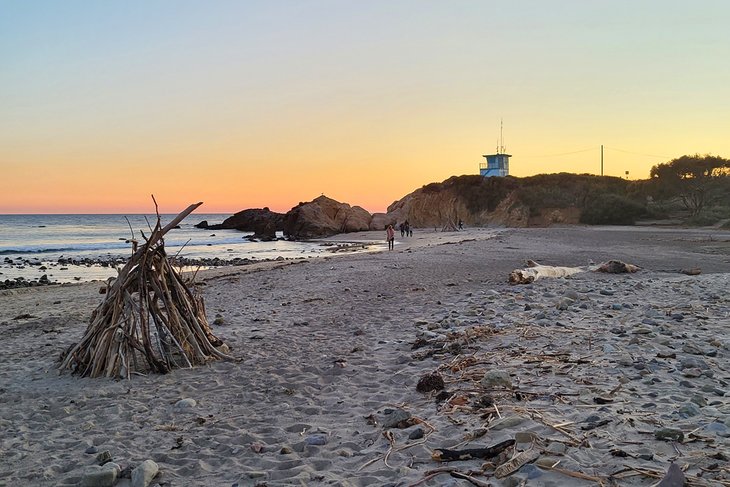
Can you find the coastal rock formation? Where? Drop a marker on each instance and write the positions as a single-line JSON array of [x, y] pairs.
[[472, 199], [323, 217], [262, 221], [475, 201]]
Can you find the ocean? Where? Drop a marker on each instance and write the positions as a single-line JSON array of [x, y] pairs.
[[31, 245]]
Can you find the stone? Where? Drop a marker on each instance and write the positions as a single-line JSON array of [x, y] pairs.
[[507, 422], [430, 382], [667, 434], [96, 476], [395, 418], [689, 409], [143, 474], [673, 478], [699, 400], [496, 378], [693, 363], [416, 434], [692, 373], [186, 403], [556, 448], [316, 440], [104, 457]]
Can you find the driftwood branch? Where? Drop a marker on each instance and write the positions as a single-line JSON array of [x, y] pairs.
[[446, 455]]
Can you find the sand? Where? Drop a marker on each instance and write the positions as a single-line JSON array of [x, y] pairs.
[[595, 373]]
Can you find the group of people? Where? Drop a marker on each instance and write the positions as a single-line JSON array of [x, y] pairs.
[[405, 231]]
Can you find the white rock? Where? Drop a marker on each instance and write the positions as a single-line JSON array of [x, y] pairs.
[[185, 403]]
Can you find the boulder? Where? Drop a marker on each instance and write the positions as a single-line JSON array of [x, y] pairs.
[[380, 221], [323, 217], [261, 221]]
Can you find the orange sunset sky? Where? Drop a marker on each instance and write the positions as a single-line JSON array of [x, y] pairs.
[[268, 103]]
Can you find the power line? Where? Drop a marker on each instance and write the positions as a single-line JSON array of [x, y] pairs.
[[638, 153], [590, 149]]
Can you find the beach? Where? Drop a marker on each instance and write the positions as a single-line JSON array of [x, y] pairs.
[[599, 379]]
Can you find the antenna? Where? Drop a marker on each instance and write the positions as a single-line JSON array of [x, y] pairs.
[[501, 136]]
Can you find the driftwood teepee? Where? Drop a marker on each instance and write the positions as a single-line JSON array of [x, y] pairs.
[[149, 320]]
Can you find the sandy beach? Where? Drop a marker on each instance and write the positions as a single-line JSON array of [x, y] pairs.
[[599, 379]]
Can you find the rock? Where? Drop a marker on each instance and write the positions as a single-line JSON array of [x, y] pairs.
[[324, 217], [187, 403], [689, 409], [203, 224], [143, 474], [261, 221], [285, 450], [666, 434], [617, 267], [416, 434], [104, 457], [395, 418], [699, 400], [564, 304], [556, 448], [692, 349], [91, 450], [506, 422], [430, 382], [673, 478], [96, 476], [496, 378], [316, 440], [692, 373]]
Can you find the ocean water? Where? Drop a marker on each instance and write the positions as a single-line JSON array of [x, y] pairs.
[[44, 239]]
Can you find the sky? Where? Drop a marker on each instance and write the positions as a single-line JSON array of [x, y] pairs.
[[245, 104]]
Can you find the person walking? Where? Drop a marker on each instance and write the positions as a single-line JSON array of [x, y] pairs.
[[390, 237]]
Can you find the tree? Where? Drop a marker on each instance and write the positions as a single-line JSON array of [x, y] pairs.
[[695, 179]]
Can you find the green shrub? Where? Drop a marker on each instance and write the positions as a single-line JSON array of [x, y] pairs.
[[611, 209], [709, 216]]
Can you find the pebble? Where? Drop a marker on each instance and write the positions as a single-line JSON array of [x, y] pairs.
[[316, 440], [104, 457], [666, 434], [416, 434], [507, 422], [496, 378], [689, 409], [556, 448], [394, 418], [186, 403]]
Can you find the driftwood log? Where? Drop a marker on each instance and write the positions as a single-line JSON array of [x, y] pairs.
[[535, 271], [149, 321]]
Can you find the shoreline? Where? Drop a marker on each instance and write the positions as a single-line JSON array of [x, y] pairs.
[[330, 349]]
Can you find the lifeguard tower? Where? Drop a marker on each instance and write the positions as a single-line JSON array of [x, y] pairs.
[[497, 164]]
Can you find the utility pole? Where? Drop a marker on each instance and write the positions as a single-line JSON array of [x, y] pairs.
[[601, 159]]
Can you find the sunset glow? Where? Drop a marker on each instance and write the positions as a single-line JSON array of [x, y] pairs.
[[252, 104]]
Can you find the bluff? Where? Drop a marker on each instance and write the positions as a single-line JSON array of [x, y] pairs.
[[323, 217], [517, 202]]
